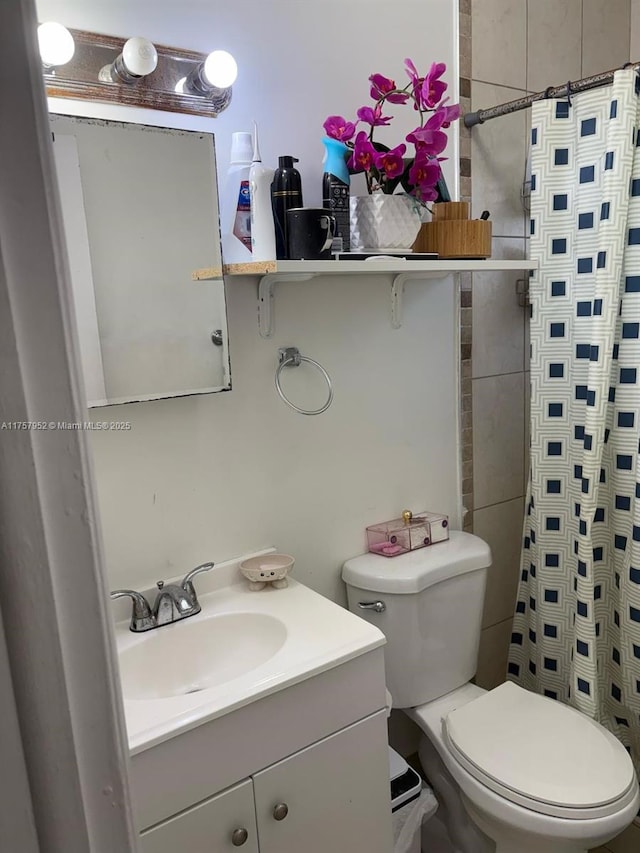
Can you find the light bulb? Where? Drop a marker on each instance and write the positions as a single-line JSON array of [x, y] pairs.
[[220, 69], [140, 56], [56, 44]]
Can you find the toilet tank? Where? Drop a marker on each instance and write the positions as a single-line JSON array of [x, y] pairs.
[[428, 603]]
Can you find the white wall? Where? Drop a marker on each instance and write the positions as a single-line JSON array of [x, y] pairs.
[[208, 478]]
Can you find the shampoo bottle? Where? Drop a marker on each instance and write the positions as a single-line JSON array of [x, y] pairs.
[[286, 192], [235, 203], [335, 187], [263, 238]]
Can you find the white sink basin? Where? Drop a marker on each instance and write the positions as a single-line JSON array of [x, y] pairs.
[[242, 646], [191, 656]]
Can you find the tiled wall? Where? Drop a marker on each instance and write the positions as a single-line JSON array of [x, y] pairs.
[[517, 46]]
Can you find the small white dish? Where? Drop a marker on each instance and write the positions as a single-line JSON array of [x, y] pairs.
[[270, 568]]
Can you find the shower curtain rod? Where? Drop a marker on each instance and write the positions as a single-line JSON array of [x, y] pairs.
[[570, 88]]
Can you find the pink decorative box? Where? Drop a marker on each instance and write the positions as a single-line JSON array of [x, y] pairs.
[[408, 533]]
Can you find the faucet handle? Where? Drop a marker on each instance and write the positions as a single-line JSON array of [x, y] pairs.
[[142, 618], [205, 567]]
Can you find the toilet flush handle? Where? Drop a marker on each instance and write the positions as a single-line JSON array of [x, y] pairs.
[[378, 606]]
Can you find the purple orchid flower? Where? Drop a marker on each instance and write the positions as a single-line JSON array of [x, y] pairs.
[[391, 162], [443, 116], [424, 175], [383, 87], [385, 168], [431, 142], [373, 116], [437, 120], [416, 82], [338, 127], [412, 71], [363, 153], [452, 113], [432, 87], [427, 193]]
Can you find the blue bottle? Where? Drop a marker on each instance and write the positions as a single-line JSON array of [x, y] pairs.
[[335, 187]]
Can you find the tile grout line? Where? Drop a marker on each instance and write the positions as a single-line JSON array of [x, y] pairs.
[[501, 503], [496, 375], [499, 85]]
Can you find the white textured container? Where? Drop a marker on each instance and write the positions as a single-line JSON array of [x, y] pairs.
[[380, 221], [433, 599]]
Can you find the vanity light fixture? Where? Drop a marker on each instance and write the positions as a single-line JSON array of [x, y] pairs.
[[56, 45], [218, 71], [138, 58], [213, 78], [137, 73]]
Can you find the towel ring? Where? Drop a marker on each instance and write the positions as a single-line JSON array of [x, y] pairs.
[[290, 357]]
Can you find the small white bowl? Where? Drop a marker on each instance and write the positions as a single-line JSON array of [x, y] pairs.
[[270, 568]]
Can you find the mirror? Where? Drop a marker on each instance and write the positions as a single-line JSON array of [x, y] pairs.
[[140, 214]]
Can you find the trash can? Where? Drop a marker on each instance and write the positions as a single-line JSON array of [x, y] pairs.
[[408, 820], [412, 802]]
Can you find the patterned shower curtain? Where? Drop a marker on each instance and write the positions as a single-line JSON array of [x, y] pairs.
[[576, 633]]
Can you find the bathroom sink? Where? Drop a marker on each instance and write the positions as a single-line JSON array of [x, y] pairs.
[[198, 654], [242, 647]]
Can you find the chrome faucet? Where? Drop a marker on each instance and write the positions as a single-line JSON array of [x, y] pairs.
[[142, 619], [173, 602]]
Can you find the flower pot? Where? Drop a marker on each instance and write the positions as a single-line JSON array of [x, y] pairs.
[[380, 221]]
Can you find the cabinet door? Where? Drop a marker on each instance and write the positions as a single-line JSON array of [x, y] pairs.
[[208, 827], [332, 797]]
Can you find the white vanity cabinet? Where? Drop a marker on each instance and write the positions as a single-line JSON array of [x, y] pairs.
[[331, 796], [335, 794], [218, 825], [288, 757]]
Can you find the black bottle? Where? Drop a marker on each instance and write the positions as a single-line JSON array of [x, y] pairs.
[[286, 192]]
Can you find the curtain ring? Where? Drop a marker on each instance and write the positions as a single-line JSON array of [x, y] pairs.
[[547, 91]]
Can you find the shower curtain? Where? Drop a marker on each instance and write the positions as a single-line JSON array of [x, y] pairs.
[[576, 632]]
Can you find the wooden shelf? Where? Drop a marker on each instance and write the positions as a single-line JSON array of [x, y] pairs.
[[439, 268], [207, 274], [400, 270]]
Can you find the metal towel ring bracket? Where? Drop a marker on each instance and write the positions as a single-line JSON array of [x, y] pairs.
[[290, 357]]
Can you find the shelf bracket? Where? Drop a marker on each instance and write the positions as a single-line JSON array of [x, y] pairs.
[[397, 294], [265, 298]]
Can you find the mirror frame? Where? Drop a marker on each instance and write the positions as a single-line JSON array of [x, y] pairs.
[[219, 337]]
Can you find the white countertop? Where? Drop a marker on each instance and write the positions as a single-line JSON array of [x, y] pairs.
[[320, 635]]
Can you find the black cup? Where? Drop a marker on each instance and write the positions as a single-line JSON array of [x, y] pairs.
[[310, 231]]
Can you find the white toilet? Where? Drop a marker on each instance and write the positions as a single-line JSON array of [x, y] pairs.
[[534, 775]]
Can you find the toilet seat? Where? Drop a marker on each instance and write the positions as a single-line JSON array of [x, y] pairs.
[[540, 754]]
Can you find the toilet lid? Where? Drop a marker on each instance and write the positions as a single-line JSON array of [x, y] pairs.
[[538, 752]]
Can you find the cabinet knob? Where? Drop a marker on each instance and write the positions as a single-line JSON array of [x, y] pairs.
[[239, 836], [280, 811]]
